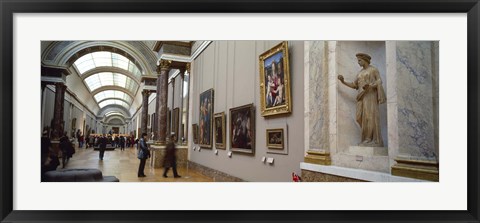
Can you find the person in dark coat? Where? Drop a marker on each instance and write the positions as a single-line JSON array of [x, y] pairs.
[[103, 145], [143, 154], [170, 159], [67, 149], [46, 143], [122, 143]]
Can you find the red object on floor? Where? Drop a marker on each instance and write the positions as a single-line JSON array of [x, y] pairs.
[[296, 178]]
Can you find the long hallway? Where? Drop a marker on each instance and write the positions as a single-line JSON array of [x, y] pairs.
[[124, 166]]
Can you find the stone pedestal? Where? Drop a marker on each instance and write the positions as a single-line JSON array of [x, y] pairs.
[[367, 151], [158, 152], [318, 157], [418, 169]]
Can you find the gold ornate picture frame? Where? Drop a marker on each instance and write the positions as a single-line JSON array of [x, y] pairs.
[[275, 86], [275, 138], [205, 122], [220, 130], [242, 129]]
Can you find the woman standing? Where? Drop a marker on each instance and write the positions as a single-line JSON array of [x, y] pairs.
[[143, 154]]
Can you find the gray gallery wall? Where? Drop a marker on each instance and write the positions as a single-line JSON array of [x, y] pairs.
[[231, 68]]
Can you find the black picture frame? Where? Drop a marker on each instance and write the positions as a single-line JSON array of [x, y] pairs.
[[8, 8]]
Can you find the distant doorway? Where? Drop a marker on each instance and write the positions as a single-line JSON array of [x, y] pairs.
[[115, 130]]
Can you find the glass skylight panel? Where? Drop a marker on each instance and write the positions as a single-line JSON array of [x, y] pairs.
[[113, 102], [113, 113], [98, 80], [120, 61], [131, 85], [85, 66], [103, 58], [119, 80], [112, 94]]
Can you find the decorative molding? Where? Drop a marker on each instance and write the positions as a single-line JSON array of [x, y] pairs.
[[185, 59], [418, 169], [107, 69], [158, 45], [200, 50], [53, 80], [113, 87], [150, 88], [318, 157]]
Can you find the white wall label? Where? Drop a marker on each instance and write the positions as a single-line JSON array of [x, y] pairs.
[[270, 160]]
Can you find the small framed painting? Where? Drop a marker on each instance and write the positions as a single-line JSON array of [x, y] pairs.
[[219, 129], [275, 138]]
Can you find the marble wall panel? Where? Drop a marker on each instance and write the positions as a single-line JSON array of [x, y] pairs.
[[318, 97], [415, 99]]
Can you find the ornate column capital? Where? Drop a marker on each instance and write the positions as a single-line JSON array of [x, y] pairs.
[[146, 93], [60, 85], [164, 65], [187, 67]]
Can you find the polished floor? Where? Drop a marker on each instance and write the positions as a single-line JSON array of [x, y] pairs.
[[124, 166]]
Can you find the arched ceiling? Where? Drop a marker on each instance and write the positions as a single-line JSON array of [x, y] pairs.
[[113, 108], [110, 70], [114, 117]]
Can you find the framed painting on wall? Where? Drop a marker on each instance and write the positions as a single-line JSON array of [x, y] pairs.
[[274, 138], [275, 81], [205, 122], [219, 120], [195, 133], [242, 129]]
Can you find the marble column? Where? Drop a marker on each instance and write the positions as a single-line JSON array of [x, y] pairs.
[[414, 121], [145, 95], [162, 93], [58, 124]]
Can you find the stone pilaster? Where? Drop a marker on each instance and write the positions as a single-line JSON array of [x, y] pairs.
[[187, 71], [161, 101], [58, 125], [317, 122], [172, 120], [416, 152], [180, 118], [145, 95]]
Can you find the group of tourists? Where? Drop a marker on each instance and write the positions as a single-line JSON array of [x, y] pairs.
[[50, 159]]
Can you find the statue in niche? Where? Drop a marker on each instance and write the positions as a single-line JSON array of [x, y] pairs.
[[370, 96]]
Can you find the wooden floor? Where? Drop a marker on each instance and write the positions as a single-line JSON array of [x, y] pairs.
[[124, 166]]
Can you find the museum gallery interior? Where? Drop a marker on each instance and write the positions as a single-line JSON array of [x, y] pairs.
[[240, 111]]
